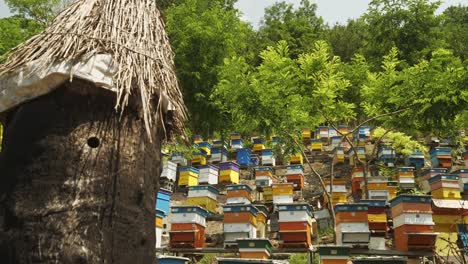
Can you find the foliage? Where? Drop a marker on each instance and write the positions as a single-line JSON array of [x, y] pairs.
[[410, 25], [433, 92], [455, 26], [298, 27], [208, 259], [14, 30], [400, 142], [41, 11], [203, 33], [347, 40], [283, 93], [300, 259]]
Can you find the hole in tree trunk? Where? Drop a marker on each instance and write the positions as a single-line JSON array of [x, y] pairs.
[[93, 142]]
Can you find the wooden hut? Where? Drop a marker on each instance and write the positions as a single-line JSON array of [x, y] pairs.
[[86, 104]]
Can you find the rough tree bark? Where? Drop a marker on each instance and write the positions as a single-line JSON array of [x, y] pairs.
[[78, 181]]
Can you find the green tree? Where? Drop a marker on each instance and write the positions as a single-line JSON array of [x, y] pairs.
[[409, 25], [39, 10], [14, 30], [433, 91], [347, 40], [455, 28], [203, 33], [300, 27]]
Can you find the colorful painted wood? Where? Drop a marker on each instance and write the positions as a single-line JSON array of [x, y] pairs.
[[334, 254], [441, 157], [240, 221], [268, 157], [316, 145], [239, 194], [445, 186], [263, 177], [254, 248], [205, 196], [296, 158], [295, 225], [406, 177], [229, 172], [208, 174], [352, 226], [412, 222], [172, 260], [415, 159], [218, 154], [306, 134], [282, 193], [188, 176], [163, 199], [243, 156], [198, 158], [188, 225]]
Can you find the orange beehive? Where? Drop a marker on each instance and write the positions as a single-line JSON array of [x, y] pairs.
[[297, 180], [240, 217], [294, 226], [415, 237], [296, 238], [409, 207], [187, 227]]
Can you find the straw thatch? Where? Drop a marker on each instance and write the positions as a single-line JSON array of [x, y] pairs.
[[132, 32]]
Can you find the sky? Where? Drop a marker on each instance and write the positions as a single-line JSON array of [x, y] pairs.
[[332, 11]]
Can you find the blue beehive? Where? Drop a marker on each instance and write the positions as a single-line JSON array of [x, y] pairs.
[[441, 157], [254, 160], [416, 159], [163, 199], [426, 199], [243, 156], [172, 260]]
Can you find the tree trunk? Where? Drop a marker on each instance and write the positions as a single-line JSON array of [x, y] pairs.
[[78, 180]]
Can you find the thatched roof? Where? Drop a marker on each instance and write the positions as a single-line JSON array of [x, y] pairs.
[[129, 32]]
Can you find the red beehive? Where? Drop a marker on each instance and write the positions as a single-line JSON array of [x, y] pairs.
[[297, 180]]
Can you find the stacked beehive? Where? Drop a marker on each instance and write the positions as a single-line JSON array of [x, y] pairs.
[[163, 199], [262, 218], [295, 225], [445, 186], [267, 194], [254, 248], [197, 139], [357, 176], [258, 144], [448, 215], [179, 159], [429, 173], [322, 133], [168, 175], [344, 130], [205, 196], [413, 227], [240, 221], [239, 194], [188, 224], [219, 151], [339, 155], [392, 187], [198, 158], [378, 189], [208, 174], [361, 155], [229, 172], [236, 141], [406, 177], [282, 193], [416, 159], [295, 175], [306, 134], [377, 218], [441, 157], [386, 155], [296, 158], [188, 176], [263, 177], [352, 227], [243, 156], [334, 254], [268, 158], [316, 145], [339, 192], [362, 134], [205, 146], [462, 179]]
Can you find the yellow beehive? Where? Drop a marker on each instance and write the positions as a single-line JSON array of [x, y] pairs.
[[449, 219], [267, 194], [283, 189], [188, 181], [306, 133], [446, 193], [258, 147], [296, 159], [377, 218], [316, 145], [229, 176], [205, 202], [200, 160], [337, 197], [158, 222]]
